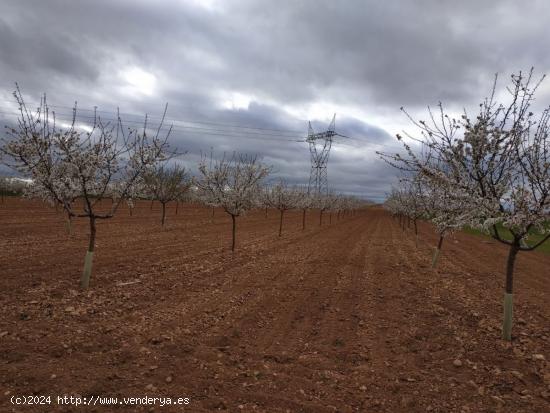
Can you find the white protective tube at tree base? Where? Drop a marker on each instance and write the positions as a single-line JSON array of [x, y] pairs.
[[86, 274], [508, 315]]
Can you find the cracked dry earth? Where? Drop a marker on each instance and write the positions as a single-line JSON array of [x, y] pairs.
[[347, 317]]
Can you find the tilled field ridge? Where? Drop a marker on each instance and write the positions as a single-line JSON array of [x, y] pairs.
[[347, 317]]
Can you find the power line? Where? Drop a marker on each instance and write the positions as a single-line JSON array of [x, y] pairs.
[[168, 119], [265, 137], [262, 135]]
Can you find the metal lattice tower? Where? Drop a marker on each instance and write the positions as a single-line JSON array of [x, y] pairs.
[[319, 149]]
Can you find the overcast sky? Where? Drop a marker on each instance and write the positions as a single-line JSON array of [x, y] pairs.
[[271, 65]]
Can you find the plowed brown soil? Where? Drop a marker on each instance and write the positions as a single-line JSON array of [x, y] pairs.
[[347, 317]]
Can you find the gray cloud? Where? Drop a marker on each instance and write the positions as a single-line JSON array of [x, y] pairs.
[[277, 61]]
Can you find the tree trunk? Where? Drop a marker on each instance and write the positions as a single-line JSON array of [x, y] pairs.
[[330, 218], [213, 210], [303, 219], [163, 213], [151, 207], [281, 222], [177, 206], [265, 212], [437, 251], [233, 233], [86, 274], [508, 294], [68, 224], [321, 217], [131, 210], [415, 234]]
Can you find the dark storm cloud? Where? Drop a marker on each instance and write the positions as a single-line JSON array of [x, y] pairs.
[[275, 61]]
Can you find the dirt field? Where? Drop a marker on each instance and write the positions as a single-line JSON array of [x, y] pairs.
[[344, 318]]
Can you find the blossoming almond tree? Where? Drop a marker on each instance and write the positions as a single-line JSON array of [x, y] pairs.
[[324, 202], [413, 203], [167, 184], [283, 198], [395, 204], [134, 193], [343, 205], [447, 214], [497, 165], [406, 201], [305, 201], [232, 184], [350, 205], [429, 202], [65, 163]]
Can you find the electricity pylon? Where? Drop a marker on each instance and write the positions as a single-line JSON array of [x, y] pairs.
[[319, 149]]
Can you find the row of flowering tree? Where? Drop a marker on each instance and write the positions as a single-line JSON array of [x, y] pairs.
[[284, 198], [77, 168], [492, 169], [415, 199], [11, 187], [236, 185]]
